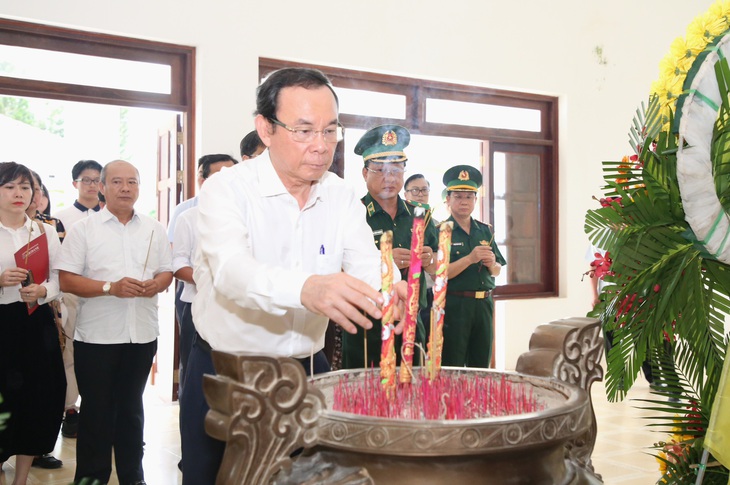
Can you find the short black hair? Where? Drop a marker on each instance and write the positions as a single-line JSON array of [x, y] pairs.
[[10, 171], [267, 94], [206, 161], [82, 165], [415, 177], [250, 144]]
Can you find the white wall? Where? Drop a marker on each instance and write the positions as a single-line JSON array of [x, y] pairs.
[[533, 45]]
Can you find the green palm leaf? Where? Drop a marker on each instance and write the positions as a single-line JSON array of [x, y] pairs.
[[720, 149]]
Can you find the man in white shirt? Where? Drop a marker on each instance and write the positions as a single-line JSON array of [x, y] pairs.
[[86, 175], [185, 241], [251, 146], [283, 248], [116, 261]]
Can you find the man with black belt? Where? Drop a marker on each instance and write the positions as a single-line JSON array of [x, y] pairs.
[[475, 262], [116, 261], [385, 163]]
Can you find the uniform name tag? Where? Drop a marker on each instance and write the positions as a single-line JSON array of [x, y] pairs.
[[379, 232], [457, 243]]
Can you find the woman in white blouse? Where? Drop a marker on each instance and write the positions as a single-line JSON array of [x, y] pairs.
[[32, 379]]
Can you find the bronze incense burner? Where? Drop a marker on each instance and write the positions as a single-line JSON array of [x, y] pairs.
[[266, 409]]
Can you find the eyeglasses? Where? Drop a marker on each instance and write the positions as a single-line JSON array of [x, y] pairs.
[[417, 191], [88, 181], [305, 135], [391, 169]]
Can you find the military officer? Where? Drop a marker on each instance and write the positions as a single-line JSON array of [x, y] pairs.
[[475, 262], [384, 164]]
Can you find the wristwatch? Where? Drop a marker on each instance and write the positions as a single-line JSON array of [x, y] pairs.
[[107, 288]]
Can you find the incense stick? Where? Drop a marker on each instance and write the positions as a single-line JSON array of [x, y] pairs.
[[144, 269], [311, 364], [27, 247]]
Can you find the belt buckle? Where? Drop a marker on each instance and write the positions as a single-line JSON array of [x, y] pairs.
[[480, 295]]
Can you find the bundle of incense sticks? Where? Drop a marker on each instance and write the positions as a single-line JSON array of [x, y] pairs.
[[414, 286], [387, 350], [452, 396], [436, 342]]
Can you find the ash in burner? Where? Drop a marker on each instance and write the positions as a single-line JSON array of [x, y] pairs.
[[452, 396]]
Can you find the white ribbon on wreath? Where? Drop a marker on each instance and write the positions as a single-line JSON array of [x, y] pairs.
[[702, 208]]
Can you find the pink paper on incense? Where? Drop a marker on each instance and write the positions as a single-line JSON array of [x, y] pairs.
[[387, 349], [414, 286], [436, 343]]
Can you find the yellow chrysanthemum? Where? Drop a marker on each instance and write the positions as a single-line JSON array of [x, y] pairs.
[[705, 28], [720, 11], [687, 48], [673, 88], [671, 63], [683, 52], [671, 67]]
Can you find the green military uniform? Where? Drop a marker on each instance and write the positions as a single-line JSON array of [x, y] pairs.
[[380, 221], [469, 306], [384, 144]]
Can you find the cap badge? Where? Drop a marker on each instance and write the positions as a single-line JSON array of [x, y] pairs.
[[390, 138], [463, 175]]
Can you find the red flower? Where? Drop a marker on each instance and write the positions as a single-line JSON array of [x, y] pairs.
[[601, 265], [608, 201]]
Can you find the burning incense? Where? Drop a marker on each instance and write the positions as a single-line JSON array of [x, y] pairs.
[[387, 350], [453, 396], [436, 343], [414, 286]]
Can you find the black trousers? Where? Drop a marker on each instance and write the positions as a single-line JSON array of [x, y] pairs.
[[202, 455], [111, 379], [186, 328]]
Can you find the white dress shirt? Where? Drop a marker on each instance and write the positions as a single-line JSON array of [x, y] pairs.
[[13, 239], [183, 248], [73, 214], [179, 210], [257, 248], [102, 248]]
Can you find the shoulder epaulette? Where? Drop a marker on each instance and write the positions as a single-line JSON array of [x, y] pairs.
[[371, 209]]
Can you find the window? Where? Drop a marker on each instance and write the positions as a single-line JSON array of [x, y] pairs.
[[121, 97], [510, 137], [41, 61]]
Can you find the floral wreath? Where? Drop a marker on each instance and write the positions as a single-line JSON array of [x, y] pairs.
[[665, 222], [699, 125]]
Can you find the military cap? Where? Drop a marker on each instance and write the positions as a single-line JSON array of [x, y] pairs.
[[384, 143], [462, 178]]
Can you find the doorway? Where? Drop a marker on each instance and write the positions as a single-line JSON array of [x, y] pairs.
[[67, 95]]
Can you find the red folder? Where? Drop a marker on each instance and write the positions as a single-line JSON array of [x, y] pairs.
[[34, 258]]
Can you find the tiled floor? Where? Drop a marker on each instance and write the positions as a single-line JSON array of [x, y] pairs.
[[621, 452]]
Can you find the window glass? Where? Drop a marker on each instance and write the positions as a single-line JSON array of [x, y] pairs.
[[517, 215], [483, 115], [64, 67], [370, 103]]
